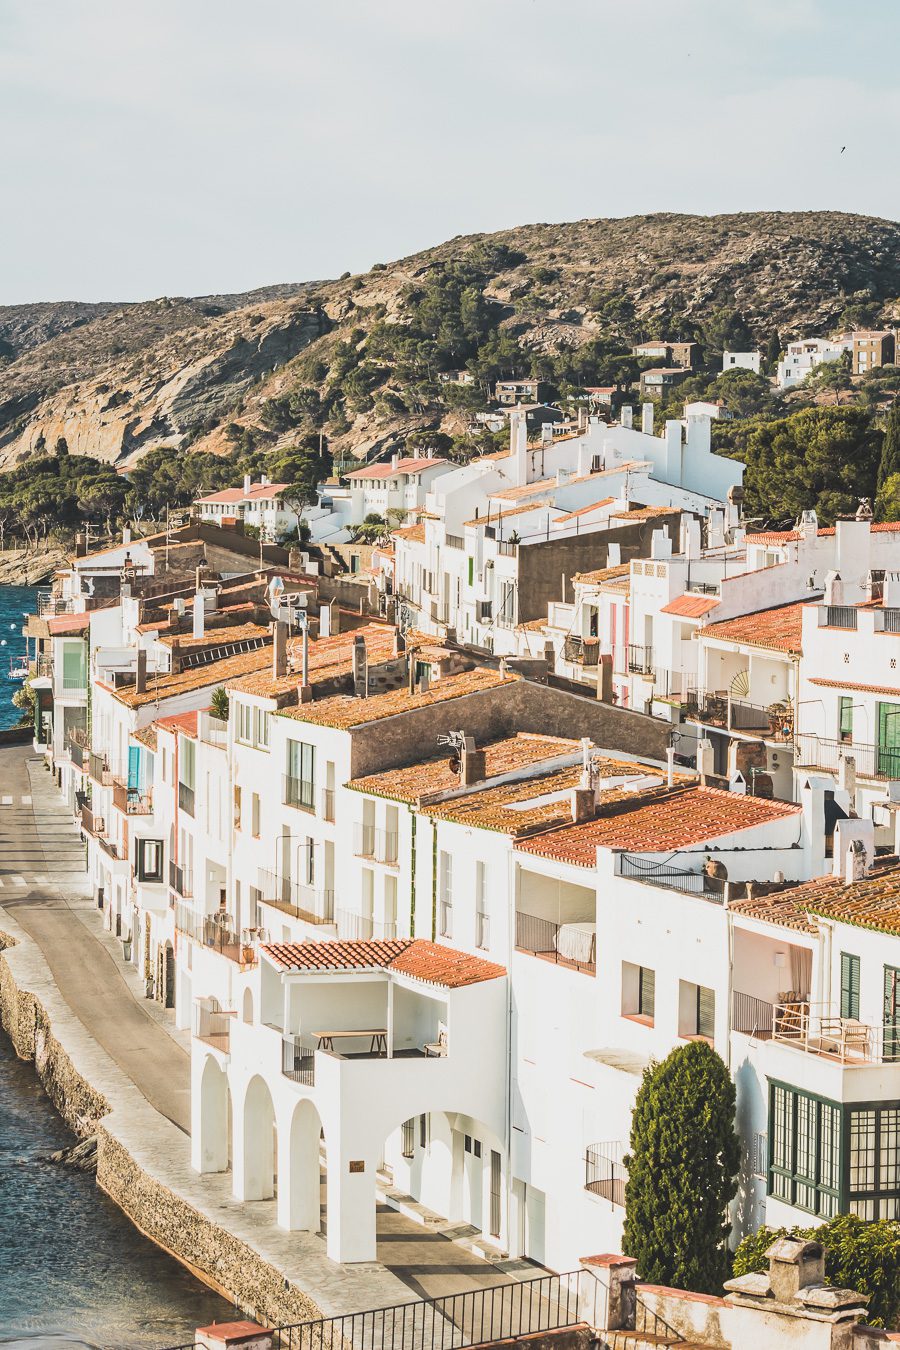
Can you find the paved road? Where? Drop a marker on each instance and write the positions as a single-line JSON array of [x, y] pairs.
[[43, 885]]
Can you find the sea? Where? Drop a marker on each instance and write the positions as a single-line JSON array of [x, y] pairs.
[[73, 1271]]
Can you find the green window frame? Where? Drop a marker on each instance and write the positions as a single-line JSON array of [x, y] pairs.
[[889, 739], [845, 717], [471, 570], [805, 1150], [849, 985]]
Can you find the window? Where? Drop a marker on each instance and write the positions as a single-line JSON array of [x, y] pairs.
[[849, 985], [446, 893], [237, 807], [845, 717], [254, 815], [696, 1011], [471, 570], [482, 917], [186, 774], [423, 1131], [638, 992], [244, 730], [262, 722], [299, 784], [148, 862], [408, 1138], [805, 1163], [759, 1154], [874, 1162]]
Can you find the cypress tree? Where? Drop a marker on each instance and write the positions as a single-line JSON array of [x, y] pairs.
[[684, 1156], [889, 463]]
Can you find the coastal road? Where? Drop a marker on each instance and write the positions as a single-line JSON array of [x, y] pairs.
[[44, 887]]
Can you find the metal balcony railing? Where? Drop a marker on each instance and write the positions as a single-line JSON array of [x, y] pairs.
[[114, 849], [212, 1023], [840, 616], [605, 1174], [872, 761], [92, 823], [132, 801], [751, 1015], [774, 723], [299, 792], [640, 660], [818, 1029], [298, 1061], [310, 903], [43, 666], [379, 845], [355, 927], [99, 770], [563, 944], [582, 651], [181, 879], [48, 605]]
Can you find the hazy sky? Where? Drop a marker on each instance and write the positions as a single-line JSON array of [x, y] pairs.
[[152, 147]]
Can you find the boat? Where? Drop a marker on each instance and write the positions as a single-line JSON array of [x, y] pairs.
[[18, 669]]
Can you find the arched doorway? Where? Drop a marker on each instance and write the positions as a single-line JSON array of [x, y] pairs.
[[300, 1193], [247, 1007], [259, 1152], [215, 1118]]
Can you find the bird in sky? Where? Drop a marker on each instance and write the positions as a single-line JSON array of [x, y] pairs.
[[843, 148]]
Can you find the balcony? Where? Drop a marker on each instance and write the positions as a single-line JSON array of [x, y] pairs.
[[117, 851], [181, 880], [186, 799], [300, 901], [49, 605], [298, 792], [355, 927], [378, 845], [816, 1029], [298, 1061], [775, 723], [92, 823], [507, 548], [327, 804], [751, 1016], [42, 668], [605, 1173], [454, 541], [872, 761], [569, 944], [840, 616], [672, 878], [79, 749], [131, 801], [640, 660], [212, 1023], [582, 651], [99, 770]]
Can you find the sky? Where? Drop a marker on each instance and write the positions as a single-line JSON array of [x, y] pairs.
[[186, 147]]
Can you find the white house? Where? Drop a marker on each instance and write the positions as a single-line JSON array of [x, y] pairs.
[[742, 361], [261, 504], [803, 356]]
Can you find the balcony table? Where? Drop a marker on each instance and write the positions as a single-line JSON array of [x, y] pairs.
[[378, 1046]]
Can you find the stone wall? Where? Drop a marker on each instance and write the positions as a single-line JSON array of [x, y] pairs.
[[213, 1254]]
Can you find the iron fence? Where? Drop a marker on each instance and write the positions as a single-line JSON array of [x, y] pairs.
[[565, 944], [456, 1321]]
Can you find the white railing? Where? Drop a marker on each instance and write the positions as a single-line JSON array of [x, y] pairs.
[[817, 1029]]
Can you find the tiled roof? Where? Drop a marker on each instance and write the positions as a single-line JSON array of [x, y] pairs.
[[873, 902], [860, 688], [657, 823], [646, 513], [67, 625], [257, 492], [515, 494], [344, 711], [387, 470], [779, 628], [414, 533], [185, 723], [780, 908], [616, 573], [328, 657], [584, 510], [416, 957], [494, 516], [146, 736], [415, 781], [169, 685], [216, 637], [690, 606]]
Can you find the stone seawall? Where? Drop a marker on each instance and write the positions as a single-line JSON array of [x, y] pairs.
[[142, 1161]]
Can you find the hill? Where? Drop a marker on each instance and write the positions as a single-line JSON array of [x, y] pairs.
[[358, 360]]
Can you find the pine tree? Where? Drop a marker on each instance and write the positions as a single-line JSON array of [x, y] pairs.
[[889, 463], [773, 352], [681, 1171]]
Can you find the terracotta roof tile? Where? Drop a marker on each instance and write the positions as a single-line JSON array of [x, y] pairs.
[[414, 533], [345, 711], [146, 736], [491, 518], [646, 513], [66, 625], [618, 573], [217, 637], [780, 908], [428, 777], [584, 510], [387, 470], [860, 688], [515, 494], [328, 658], [167, 685], [779, 628], [873, 902], [658, 823], [183, 723], [691, 606], [416, 957]]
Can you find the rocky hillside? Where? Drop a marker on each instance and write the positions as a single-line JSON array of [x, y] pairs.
[[360, 358]]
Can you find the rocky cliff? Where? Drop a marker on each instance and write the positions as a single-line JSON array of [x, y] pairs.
[[116, 380]]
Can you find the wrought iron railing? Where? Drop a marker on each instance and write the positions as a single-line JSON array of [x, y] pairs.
[[132, 801], [817, 1029], [212, 1023], [309, 903], [298, 792], [298, 1061], [91, 822], [640, 660], [872, 761], [840, 616], [673, 878], [564, 944], [751, 1015], [605, 1173]]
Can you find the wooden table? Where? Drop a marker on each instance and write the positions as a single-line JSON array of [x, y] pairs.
[[378, 1037]]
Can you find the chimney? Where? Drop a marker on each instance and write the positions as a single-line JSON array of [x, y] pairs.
[[605, 677], [705, 761], [279, 649], [855, 862], [626, 416], [546, 433], [175, 658], [808, 526], [199, 612], [126, 535], [471, 763], [81, 547], [395, 460], [247, 481], [834, 589], [890, 591], [794, 1265], [846, 776], [140, 684], [518, 446], [324, 621], [647, 419], [360, 667], [584, 805], [670, 766]]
